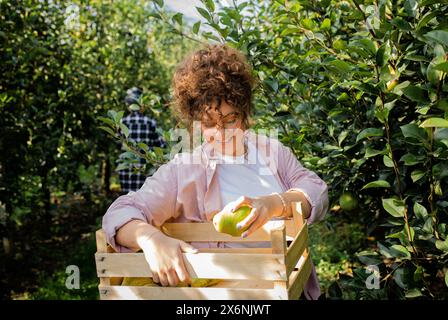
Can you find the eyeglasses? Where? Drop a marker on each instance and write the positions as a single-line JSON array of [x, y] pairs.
[[226, 122]]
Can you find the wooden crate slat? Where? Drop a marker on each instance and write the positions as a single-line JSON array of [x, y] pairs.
[[278, 239], [296, 249], [245, 273], [298, 279], [200, 265], [206, 232], [208, 293], [236, 250]]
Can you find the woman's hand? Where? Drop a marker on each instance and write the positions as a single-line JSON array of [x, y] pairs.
[[165, 259], [264, 208]]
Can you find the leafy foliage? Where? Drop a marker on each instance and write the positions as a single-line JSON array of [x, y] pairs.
[[359, 91], [64, 64]]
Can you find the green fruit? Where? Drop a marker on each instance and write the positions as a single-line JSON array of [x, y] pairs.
[[226, 221], [348, 201]]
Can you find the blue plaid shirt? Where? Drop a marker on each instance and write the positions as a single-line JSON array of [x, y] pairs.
[[141, 129]]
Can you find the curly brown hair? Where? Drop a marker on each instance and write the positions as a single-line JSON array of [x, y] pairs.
[[212, 74]]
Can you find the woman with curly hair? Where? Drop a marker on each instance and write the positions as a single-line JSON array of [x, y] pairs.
[[232, 167]]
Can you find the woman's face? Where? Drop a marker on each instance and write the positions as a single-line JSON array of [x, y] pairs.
[[222, 127]]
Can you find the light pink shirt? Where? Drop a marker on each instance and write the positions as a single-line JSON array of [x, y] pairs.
[[186, 189]]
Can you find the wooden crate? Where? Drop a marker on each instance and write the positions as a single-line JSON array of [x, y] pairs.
[[278, 272]]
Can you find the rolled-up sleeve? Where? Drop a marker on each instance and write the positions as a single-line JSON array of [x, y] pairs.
[[154, 203], [306, 181]]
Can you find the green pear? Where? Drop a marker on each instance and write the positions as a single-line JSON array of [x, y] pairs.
[[226, 221]]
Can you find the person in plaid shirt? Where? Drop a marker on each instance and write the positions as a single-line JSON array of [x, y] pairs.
[[141, 129]]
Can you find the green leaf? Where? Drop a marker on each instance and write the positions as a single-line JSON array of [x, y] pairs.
[[413, 293], [204, 13], [210, 35], [372, 152], [428, 227], [426, 19], [273, 84], [210, 4], [411, 7], [124, 129], [178, 17], [400, 277], [398, 90], [155, 15], [369, 257], [410, 159], [369, 132], [446, 278], [383, 55], [112, 114], [196, 27], [338, 66], [377, 184], [418, 274], [401, 24], [396, 235], [382, 114], [118, 116], [442, 67], [399, 251], [411, 130], [326, 24], [442, 245], [435, 123], [339, 44], [108, 130], [415, 93], [440, 170], [367, 45], [158, 2], [394, 207], [439, 36], [107, 121], [384, 250], [417, 175], [122, 166], [342, 137], [308, 23], [406, 234], [287, 31], [144, 146], [420, 211], [158, 152], [388, 161]]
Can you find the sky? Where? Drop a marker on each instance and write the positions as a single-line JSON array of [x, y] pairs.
[[187, 7]]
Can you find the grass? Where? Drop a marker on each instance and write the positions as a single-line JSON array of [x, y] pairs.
[[333, 244], [52, 286]]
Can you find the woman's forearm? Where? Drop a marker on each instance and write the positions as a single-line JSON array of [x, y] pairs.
[[135, 234]]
